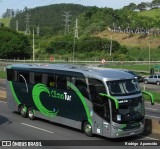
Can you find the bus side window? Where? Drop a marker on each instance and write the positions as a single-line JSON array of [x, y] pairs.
[[37, 78], [11, 75], [24, 76], [62, 82], [96, 87], [51, 82], [82, 87]]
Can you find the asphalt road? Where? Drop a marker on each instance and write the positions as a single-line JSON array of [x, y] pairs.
[[152, 112], [150, 87], [14, 127]]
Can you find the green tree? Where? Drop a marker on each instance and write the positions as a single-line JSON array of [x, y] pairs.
[[131, 6], [156, 3], [142, 6], [14, 45]]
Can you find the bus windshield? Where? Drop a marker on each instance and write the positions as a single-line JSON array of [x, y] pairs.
[[123, 87], [130, 110]]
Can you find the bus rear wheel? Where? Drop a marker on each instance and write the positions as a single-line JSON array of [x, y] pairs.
[[87, 129], [31, 115], [23, 111]]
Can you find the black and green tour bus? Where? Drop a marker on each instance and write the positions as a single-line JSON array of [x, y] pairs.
[[101, 101]]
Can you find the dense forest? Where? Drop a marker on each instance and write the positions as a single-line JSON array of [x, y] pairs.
[[50, 19]]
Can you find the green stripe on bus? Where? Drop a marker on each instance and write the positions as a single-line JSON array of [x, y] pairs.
[[37, 90], [73, 87], [151, 95], [14, 94], [113, 98]]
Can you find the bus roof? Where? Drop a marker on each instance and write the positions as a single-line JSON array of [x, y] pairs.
[[88, 71]]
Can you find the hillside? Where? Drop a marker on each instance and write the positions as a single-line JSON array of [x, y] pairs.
[[131, 41], [5, 21], [92, 21], [51, 19], [154, 13]]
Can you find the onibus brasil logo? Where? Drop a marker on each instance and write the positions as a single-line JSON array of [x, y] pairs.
[[38, 89]]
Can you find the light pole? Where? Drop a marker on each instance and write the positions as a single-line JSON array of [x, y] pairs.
[[149, 54], [33, 47]]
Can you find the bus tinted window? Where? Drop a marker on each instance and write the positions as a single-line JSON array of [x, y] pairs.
[[51, 81], [96, 87], [23, 76], [11, 75], [62, 82], [80, 83], [37, 78]]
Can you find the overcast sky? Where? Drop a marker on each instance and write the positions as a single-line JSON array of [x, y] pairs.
[[20, 4]]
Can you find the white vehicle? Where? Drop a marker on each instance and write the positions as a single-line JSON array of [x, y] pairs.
[[152, 79]]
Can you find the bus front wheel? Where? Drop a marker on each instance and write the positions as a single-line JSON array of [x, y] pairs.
[[87, 129], [23, 111], [31, 113]]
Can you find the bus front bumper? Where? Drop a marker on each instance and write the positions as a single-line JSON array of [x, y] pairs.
[[117, 133]]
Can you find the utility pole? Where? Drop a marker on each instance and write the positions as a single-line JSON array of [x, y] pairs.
[[76, 29], [27, 20], [38, 30], [110, 48], [33, 47], [149, 54], [66, 20], [17, 25], [75, 36]]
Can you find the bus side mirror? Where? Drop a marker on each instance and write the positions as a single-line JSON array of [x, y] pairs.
[[150, 95]]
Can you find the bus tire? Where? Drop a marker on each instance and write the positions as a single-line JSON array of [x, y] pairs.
[[31, 115], [19, 109], [158, 83], [23, 111], [87, 129]]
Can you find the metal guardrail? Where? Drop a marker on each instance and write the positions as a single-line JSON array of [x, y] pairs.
[[6, 62]]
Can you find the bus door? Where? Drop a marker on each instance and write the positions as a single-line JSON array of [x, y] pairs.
[[101, 110], [102, 117]]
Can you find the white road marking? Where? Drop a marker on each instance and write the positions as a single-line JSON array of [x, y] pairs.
[[148, 137], [152, 116], [151, 109], [37, 128], [3, 102]]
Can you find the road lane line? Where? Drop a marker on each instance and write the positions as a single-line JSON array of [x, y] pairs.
[[148, 137], [3, 102], [152, 116], [151, 109], [151, 138], [37, 128]]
